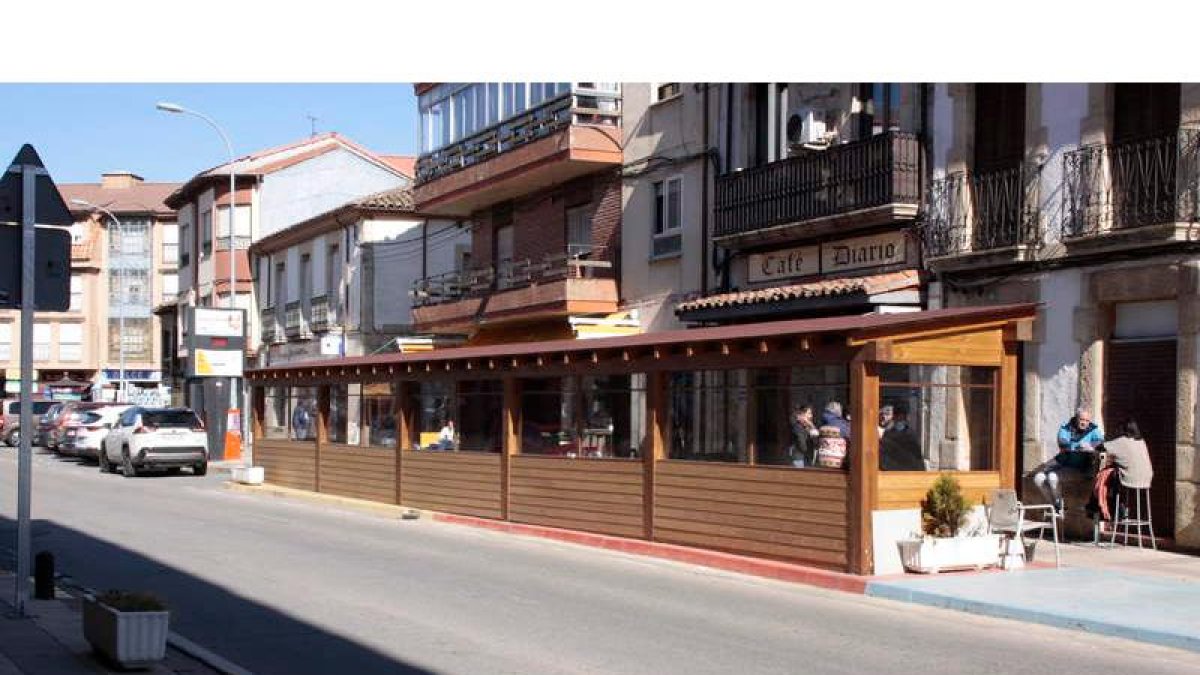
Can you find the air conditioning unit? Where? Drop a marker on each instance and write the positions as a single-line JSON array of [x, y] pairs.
[[806, 132]]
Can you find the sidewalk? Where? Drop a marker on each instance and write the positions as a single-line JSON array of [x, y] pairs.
[[1150, 596], [50, 641]]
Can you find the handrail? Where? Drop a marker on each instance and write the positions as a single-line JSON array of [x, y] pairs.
[[456, 285]]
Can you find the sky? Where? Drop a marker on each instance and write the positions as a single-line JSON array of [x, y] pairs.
[[82, 130]]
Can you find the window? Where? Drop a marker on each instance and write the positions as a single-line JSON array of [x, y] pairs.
[[913, 436], [548, 408], [135, 339], [170, 245], [302, 409], [170, 287], [6, 340], [275, 415], [41, 342], [185, 245], [379, 415], [280, 287], [762, 416], [333, 281], [76, 293], [514, 98], [135, 237], [306, 288], [206, 233], [344, 413], [666, 90], [70, 342], [131, 286], [668, 217], [579, 231], [613, 415], [460, 415]]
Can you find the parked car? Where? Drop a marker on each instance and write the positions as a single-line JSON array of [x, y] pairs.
[[45, 423], [83, 438], [71, 416], [148, 438], [10, 419]]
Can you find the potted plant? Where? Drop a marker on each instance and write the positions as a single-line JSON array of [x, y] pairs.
[[128, 628], [947, 543]]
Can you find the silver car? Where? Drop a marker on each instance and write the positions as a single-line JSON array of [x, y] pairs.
[[11, 411]]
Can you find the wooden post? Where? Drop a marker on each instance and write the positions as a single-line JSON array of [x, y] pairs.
[[511, 437], [864, 460], [322, 435], [1005, 409], [402, 410], [654, 446]]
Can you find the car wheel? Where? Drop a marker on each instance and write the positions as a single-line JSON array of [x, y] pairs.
[[102, 460], [13, 438], [200, 469], [127, 468]]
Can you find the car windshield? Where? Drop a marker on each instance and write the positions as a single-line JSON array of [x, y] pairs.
[[170, 418], [39, 407], [90, 418]]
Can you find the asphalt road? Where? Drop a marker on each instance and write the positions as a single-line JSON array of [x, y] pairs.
[[284, 586]]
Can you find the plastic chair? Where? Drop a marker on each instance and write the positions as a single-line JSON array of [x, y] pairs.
[[1006, 515]]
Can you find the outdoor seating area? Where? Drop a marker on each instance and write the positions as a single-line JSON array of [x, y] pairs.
[[758, 439]]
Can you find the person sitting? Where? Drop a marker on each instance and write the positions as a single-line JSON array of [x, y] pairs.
[[804, 436], [1078, 439], [886, 413], [899, 447], [832, 417], [1127, 464], [447, 438]]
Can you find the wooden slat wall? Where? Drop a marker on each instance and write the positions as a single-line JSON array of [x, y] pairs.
[[287, 463], [906, 489], [466, 483], [362, 473], [594, 495], [783, 513]]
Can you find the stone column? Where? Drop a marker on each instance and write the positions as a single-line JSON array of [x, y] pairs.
[[1187, 462]]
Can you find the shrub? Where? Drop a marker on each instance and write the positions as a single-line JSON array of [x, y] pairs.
[[128, 601], [944, 509]]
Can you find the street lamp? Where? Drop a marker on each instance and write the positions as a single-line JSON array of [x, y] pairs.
[[175, 108], [122, 395]]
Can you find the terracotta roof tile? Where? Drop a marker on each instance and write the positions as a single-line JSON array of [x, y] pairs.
[[871, 285], [405, 164], [396, 199], [138, 198]]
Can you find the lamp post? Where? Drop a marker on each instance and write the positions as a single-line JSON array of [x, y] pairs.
[[122, 394], [177, 109]]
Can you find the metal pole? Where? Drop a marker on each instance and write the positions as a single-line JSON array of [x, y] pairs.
[[25, 453]]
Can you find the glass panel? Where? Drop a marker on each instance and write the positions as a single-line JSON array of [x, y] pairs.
[[435, 416], [274, 422], [339, 401], [708, 416], [493, 106], [379, 415], [480, 407], [579, 231], [614, 415], [674, 204], [936, 418], [660, 211], [548, 408], [790, 407], [302, 405]]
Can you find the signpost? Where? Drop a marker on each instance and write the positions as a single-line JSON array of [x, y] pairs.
[[26, 191], [216, 347]]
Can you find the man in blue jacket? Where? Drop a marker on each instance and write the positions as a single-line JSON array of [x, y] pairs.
[[1077, 441]]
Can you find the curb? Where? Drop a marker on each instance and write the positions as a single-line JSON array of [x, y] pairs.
[[729, 562], [887, 591], [376, 508]]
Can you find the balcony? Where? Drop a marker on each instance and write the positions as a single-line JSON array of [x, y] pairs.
[[991, 214], [569, 136], [324, 315], [1135, 193], [523, 290], [295, 324], [861, 184], [272, 332], [240, 242]]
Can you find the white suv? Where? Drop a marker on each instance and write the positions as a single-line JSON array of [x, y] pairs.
[[155, 438], [83, 438]]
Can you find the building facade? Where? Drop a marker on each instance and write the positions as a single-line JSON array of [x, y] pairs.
[[1082, 197], [118, 274]]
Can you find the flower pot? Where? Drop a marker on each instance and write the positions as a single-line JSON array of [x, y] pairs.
[[931, 555], [131, 639], [248, 475]]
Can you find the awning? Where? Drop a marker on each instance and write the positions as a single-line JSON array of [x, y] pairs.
[[900, 288]]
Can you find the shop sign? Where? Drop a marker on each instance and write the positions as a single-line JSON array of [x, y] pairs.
[[784, 264], [218, 322], [218, 362], [878, 250]]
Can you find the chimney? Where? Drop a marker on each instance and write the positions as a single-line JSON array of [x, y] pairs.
[[119, 180]]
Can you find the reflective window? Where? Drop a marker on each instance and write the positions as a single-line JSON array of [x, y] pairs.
[[936, 418]]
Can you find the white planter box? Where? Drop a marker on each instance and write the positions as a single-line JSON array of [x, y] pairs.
[[248, 475], [131, 639], [932, 555]]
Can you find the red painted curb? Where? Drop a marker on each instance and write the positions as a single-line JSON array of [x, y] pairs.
[[771, 569]]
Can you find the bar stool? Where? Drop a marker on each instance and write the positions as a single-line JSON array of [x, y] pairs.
[[1122, 519]]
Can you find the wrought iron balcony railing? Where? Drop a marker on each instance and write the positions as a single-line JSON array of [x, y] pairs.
[[323, 314], [272, 332], [454, 286], [1132, 184], [579, 106], [240, 243], [295, 325], [969, 212], [874, 172]]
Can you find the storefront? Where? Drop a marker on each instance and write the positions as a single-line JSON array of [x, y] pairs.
[[696, 437]]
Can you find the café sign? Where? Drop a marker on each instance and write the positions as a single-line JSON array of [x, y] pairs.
[[878, 250]]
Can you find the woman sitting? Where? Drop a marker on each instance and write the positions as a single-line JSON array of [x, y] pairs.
[[1127, 464]]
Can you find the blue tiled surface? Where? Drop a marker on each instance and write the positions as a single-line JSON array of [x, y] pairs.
[[1139, 607]]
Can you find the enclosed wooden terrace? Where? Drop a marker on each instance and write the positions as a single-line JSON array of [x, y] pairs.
[[710, 437]]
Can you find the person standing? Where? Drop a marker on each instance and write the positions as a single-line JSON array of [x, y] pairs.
[[1078, 439], [804, 436]]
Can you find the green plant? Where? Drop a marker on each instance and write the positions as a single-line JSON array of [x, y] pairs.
[[944, 508], [128, 601]]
